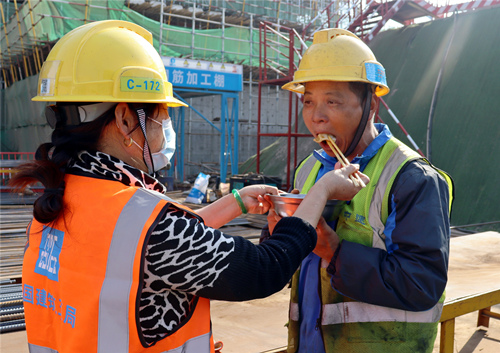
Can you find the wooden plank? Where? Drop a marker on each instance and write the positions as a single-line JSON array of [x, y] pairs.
[[487, 312], [483, 320], [468, 304], [481, 302], [447, 336]]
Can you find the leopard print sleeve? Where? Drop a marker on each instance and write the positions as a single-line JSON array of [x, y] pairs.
[[184, 258], [183, 254]]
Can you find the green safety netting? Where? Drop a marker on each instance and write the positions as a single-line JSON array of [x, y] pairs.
[[292, 11], [53, 19]]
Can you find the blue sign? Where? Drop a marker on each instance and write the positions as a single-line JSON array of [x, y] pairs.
[[198, 74]]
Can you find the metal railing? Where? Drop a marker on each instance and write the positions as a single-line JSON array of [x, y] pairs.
[[282, 45], [8, 163]]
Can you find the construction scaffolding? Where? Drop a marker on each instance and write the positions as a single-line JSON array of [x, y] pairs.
[[30, 30], [271, 72]]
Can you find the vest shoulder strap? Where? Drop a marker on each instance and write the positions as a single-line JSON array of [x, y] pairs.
[[305, 175], [399, 156], [172, 203]]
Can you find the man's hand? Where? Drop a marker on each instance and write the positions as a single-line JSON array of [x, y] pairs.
[[328, 241], [272, 219]]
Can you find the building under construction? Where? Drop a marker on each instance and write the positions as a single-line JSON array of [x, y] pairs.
[[440, 59]]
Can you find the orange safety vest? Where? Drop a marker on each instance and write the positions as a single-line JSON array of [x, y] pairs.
[[83, 274]]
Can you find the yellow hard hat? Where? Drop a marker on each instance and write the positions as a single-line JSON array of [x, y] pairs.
[[338, 55], [105, 61]]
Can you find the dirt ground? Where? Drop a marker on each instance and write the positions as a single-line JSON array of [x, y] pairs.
[[258, 326]]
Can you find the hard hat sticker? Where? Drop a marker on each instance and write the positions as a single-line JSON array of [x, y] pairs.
[[375, 73], [141, 84], [45, 86], [48, 76]]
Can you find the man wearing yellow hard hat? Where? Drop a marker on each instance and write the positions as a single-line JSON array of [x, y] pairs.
[[112, 264], [378, 284]]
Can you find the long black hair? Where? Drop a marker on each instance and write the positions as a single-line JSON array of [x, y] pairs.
[[52, 159]]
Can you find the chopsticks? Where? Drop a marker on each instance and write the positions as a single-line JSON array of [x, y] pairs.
[[330, 140]]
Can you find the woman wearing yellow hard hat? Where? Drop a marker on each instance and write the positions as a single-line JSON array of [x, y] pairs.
[[377, 284], [111, 263]]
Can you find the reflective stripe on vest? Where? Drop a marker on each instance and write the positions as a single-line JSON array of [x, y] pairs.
[[379, 205], [198, 344], [306, 173], [118, 280], [351, 312], [33, 348]]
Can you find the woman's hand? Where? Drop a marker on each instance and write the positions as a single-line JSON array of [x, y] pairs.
[[337, 185], [253, 198], [227, 208], [328, 241], [333, 185]]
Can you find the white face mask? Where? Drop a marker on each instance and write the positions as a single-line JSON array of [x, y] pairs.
[[161, 159]]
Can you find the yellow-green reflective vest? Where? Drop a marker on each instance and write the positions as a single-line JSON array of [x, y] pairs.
[[348, 325]]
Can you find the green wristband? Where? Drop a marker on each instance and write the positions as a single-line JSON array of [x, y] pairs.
[[237, 196]]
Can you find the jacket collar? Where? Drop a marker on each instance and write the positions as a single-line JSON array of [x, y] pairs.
[[328, 163], [104, 166]]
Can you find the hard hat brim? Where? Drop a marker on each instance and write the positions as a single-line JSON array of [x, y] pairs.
[[170, 101], [298, 86]]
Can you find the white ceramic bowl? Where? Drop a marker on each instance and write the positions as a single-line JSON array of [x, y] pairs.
[[286, 204]]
